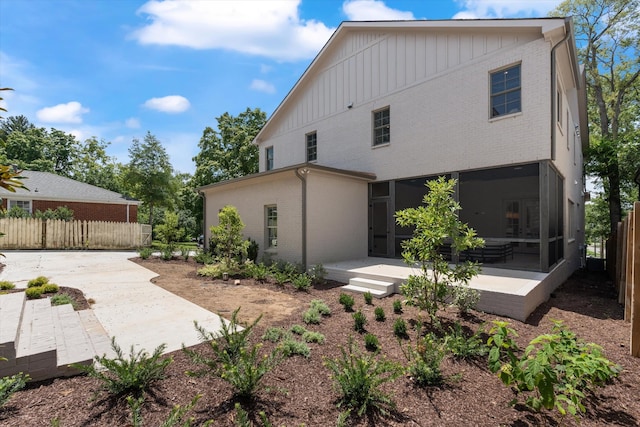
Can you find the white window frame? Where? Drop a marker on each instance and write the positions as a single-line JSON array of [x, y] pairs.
[[379, 125], [572, 214], [311, 140], [493, 113], [271, 228], [20, 203], [269, 156]]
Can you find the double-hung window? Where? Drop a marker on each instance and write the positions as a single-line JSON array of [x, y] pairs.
[[271, 232], [312, 146], [268, 154], [506, 97], [382, 126], [25, 205]]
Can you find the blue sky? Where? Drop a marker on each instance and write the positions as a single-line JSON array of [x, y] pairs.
[[115, 69]]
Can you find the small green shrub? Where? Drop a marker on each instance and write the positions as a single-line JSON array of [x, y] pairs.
[[321, 306], [347, 301], [359, 321], [10, 385], [368, 298], [273, 334], [175, 416], [312, 316], [184, 252], [371, 342], [400, 328], [5, 285], [50, 288], [358, 379], [203, 257], [132, 376], [310, 336], [465, 298], [318, 274], [252, 250], [61, 299], [166, 253], [379, 314], [298, 329], [397, 306], [463, 347], [34, 292], [424, 361], [291, 347], [38, 281], [258, 272], [301, 282], [215, 271], [145, 253], [243, 420]]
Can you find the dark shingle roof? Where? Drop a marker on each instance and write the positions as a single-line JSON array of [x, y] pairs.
[[48, 186]]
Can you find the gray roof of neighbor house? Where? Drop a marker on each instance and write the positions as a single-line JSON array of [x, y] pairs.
[[49, 186]]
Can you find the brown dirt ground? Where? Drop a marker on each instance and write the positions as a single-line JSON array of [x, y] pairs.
[[300, 390]]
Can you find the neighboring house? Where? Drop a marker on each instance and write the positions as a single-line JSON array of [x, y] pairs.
[[500, 105], [88, 202]]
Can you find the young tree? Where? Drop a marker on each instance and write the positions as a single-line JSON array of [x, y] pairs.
[[170, 231], [149, 175], [226, 237], [435, 225], [608, 33]]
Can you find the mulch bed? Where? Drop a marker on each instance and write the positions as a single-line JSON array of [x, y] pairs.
[[300, 390]]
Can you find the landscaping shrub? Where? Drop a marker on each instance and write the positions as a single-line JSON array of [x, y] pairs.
[[310, 336], [184, 252], [50, 288], [203, 257], [10, 385], [555, 371], [318, 274], [131, 376], [226, 238], [359, 321], [38, 281], [397, 306], [358, 379], [274, 334], [371, 342], [424, 361], [61, 299], [321, 306], [166, 253], [34, 292], [400, 328], [258, 272], [145, 253], [175, 416], [379, 314], [298, 329], [465, 298], [5, 285], [368, 298], [463, 347], [291, 347], [301, 282], [311, 316], [347, 301], [252, 250], [215, 271]]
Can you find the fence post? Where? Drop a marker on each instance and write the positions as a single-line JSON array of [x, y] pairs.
[[624, 270], [634, 261]]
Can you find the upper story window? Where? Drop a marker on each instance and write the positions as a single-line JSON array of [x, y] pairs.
[[382, 126], [25, 205], [506, 92], [312, 146], [268, 155]]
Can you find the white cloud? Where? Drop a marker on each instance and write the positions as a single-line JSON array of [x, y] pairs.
[[272, 29], [262, 86], [373, 10], [132, 123], [172, 104], [71, 112], [474, 9]]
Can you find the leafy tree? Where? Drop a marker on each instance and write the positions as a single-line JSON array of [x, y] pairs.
[[170, 232], [149, 176], [14, 124], [608, 33], [226, 237], [9, 175], [94, 166], [436, 224]]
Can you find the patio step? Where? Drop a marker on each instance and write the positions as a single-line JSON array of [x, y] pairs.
[[11, 306], [43, 340], [377, 288]]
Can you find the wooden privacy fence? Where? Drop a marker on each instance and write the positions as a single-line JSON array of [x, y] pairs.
[[31, 233], [628, 268]]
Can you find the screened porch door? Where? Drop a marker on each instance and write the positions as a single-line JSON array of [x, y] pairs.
[[522, 223], [379, 228]]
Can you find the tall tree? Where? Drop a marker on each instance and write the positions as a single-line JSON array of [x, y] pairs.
[[9, 175], [149, 175], [94, 166], [608, 33]]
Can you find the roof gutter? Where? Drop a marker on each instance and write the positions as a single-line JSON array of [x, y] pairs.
[[554, 113], [302, 173]]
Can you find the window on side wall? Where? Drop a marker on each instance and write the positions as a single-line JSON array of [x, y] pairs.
[[271, 229], [312, 146], [506, 97], [268, 154], [382, 126], [25, 205]]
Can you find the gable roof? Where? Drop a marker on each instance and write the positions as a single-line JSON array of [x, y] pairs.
[[557, 26], [49, 186]]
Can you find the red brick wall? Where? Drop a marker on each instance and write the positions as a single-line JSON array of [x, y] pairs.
[[88, 211]]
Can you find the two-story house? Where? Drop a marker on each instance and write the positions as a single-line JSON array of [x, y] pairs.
[[500, 105]]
